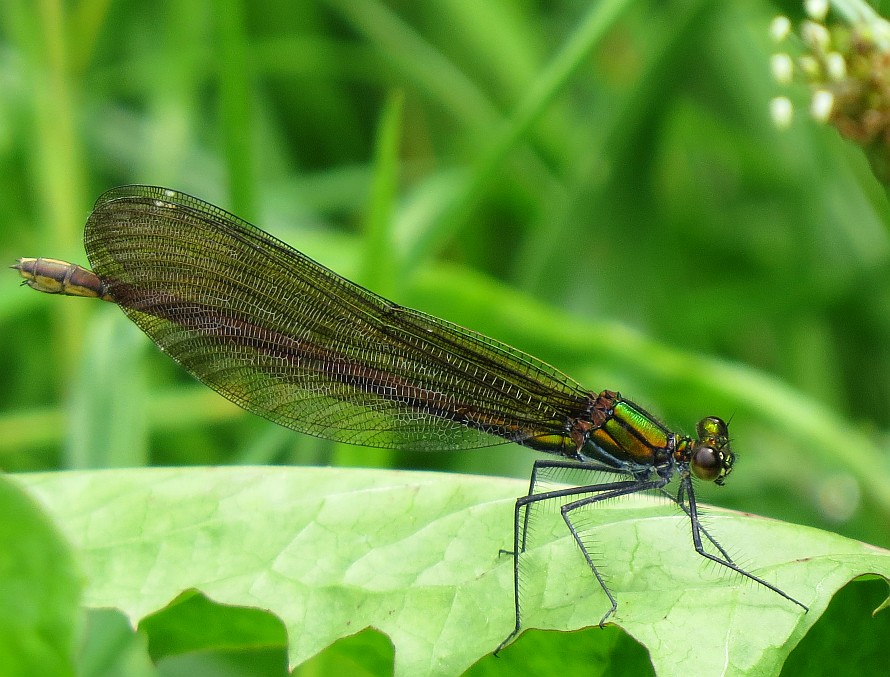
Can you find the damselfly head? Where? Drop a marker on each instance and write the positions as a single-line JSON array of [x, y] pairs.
[[712, 458]]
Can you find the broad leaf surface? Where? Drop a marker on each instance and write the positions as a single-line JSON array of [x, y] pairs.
[[415, 555]]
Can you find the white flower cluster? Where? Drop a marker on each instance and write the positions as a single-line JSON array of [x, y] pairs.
[[823, 64]]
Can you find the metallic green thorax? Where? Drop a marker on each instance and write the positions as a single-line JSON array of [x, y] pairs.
[[621, 434], [630, 434]]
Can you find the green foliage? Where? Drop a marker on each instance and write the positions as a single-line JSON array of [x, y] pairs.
[[595, 183], [39, 591], [331, 552]]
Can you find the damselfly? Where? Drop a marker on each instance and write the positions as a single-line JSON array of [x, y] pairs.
[[290, 340]]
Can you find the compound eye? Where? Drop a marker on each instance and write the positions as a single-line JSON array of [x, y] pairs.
[[712, 427], [706, 463]]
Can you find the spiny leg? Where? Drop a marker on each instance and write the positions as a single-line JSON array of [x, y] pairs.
[[679, 500], [697, 529], [603, 491], [543, 464], [632, 487]]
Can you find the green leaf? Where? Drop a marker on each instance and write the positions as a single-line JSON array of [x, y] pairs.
[[39, 591], [827, 648], [415, 555], [111, 647]]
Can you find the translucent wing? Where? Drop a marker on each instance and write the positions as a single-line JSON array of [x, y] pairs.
[[290, 340]]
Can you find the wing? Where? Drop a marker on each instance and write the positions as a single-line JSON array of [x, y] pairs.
[[286, 338]]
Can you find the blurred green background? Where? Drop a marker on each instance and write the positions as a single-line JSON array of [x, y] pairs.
[[599, 185]]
